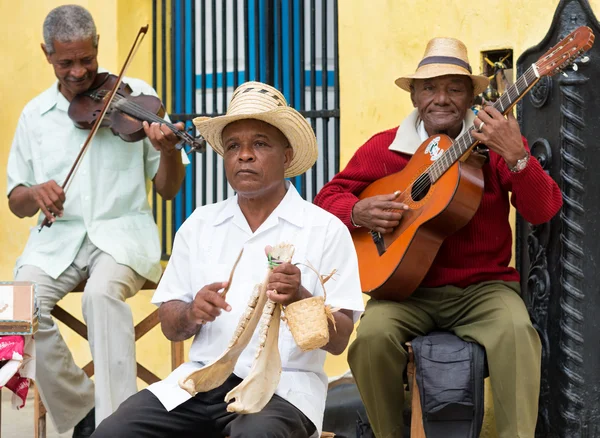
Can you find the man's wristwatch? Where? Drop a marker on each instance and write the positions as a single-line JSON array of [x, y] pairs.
[[520, 164]]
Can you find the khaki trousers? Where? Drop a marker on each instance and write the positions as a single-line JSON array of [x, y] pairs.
[[491, 313], [66, 391]]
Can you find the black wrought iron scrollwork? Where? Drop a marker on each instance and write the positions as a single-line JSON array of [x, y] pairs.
[[541, 150], [558, 260], [538, 291], [538, 288], [541, 91], [572, 254]]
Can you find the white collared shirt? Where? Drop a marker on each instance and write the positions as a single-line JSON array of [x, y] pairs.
[[205, 249], [107, 198], [424, 135], [411, 132]]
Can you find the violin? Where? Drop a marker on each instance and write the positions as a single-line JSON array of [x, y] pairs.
[[126, 113]]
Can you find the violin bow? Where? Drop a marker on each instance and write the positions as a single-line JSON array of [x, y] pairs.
[[136, 44]]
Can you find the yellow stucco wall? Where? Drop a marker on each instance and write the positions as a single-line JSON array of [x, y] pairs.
[[378, 41], [25, 73]]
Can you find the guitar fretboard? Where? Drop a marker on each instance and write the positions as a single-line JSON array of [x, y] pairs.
[[466, 141]]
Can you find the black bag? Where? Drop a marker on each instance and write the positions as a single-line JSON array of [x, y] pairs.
[[345, 413], [450, 375], [363, 428]]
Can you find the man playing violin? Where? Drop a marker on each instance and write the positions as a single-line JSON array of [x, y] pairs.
[[102, 229], [470, 289]]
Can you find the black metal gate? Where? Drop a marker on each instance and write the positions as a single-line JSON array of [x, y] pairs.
[[558, 260], [203, 49]]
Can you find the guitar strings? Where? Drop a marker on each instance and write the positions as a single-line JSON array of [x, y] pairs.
[[424, 180]]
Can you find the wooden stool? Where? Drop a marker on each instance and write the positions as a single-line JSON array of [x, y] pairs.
[[416, 418], [143, 327]]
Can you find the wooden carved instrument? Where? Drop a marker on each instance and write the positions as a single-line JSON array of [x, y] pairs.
[[442, 190]]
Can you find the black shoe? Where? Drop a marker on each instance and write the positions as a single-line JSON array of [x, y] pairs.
[[85, 428]]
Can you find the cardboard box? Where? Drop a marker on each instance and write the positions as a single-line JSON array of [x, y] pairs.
[[18, 308]]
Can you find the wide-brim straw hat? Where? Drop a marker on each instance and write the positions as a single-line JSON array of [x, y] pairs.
[[444, 56], [255, 100]]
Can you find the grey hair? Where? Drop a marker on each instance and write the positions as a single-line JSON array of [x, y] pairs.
[[68, 23]]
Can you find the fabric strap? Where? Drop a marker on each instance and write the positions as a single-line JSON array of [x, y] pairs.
[[445, 60]]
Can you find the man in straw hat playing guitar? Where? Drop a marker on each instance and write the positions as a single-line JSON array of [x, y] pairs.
[[470, 288], [262, 142]]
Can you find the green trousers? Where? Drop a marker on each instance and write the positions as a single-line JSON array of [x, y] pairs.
[[491, 313]]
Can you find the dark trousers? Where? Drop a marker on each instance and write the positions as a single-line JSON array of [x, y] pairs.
[[204, 416]]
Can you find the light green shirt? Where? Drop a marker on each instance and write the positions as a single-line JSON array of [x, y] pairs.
[[107, 198]]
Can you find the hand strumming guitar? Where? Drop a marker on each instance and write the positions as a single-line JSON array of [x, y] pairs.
[[381, 213]]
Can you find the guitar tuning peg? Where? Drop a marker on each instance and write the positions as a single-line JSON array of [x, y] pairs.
[[565, 75], [585, 59], [575, 67]]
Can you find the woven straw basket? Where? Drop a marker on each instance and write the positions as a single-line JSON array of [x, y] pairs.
[[307, 320]]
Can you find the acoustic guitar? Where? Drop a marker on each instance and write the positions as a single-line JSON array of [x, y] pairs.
[[442, 190]]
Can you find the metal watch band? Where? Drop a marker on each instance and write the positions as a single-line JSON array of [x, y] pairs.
[[352, 218], [520, 164]]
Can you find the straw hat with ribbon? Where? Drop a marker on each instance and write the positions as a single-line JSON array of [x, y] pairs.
[[255, 100], [444, 56]]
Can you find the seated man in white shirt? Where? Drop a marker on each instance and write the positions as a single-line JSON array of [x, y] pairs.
[[102, 228], [262, 141]]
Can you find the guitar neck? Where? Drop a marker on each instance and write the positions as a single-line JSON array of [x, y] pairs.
[[466, 142]]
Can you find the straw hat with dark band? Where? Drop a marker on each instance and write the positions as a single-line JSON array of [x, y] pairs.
[[255, 100], [444, 56]]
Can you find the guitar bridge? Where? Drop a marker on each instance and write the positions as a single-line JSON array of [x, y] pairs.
[[378, 241]]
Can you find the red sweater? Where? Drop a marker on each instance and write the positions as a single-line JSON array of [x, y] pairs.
[[480, 251]]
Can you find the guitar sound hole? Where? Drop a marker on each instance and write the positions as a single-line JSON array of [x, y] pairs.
[[420, 187]]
